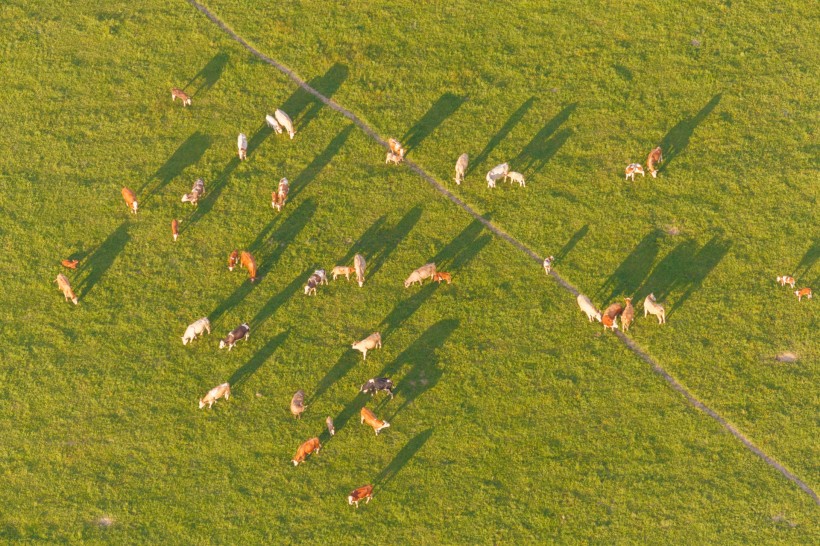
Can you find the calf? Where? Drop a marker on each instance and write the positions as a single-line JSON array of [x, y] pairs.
[[306, 449], [240, 332], [279, 197], [196, 192], [233, 259], [515, 177], [654, 158], [548, 264], [378, 384], [363, 492], [71, 264], [285, 121], [330, 428], [610, 316], [273, 124], [393, 158], [130, 199], [396, 147], [373, 341], [214, 394], [424, 272], [175, 229], [439, 276], [587, 307], [195, 329], [247, 261], [785, 279], [342, 270], [65, 286], [370, 418], [319, 277], [297, 404], [181, 95], [628, 315], [799, 293], [651, 306], [461, 168], [242, 144], [632, 169], [359, 265]]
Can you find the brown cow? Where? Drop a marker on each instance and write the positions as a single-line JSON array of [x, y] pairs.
[[799, 293], [306, 449], [370, 418], [175, 228], [610, 316], [363, 492], [248, 263], [72, 264], [180, 94], [233, 259], [654, 158], [130, 199], [439, 276]]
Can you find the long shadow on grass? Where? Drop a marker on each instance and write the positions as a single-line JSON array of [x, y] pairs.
[[807, 262], [276, 301], [259, 136], [402, 458], [209, 75], [514, 119], [683, 271], [567, 248], [319, 162], [212, 192], [262, 355], [443, 108], [188, 153], [535, 155], [101, 259], [633, 270], [347, 361], [302, 107], [677, 139]]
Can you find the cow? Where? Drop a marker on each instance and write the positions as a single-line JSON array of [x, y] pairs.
[[587, 307], [628, 315], [65, 286], [297, 404], [370, 418], [195, 329], [306, 449], [72, 264], [273, 124], [240, 332], [363, 492], [396, 147], [373, 341], [548, 261], [360, 265], [378, 384], [424, 272], [242, 144], [233, 259], [175, 229], [197, 191], [130, 199], [247, 261], [279, 197], [393, 158], [651, 306], [330, 428], [177, 93], [214, 394], [340, 270], [319, 277], [285, 121], [439, 276], [499, 171], [461, 168], [632, 169], [785, 279], [516, 177], [654, 158], [799, 293]]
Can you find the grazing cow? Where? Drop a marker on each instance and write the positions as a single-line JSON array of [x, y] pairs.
[[548, 261], [297, 404], [360, 265], [197, 191], [242, 144], [363, 492], [396, 147], [439, 276], [785, 279], [499, 171], [175, 228], [373, 341], [424, 272], [654, 158], [330, 428], [240, 332], [393, 158], [306, 449], [319, 277], [651, 306], [233, 259], [195, 329], [285, 121], [628, 315], [370, 418], [378, 384], [130, 199], [273, 124], [72, 264], [632, 169], [214, 394], [342, 270], [461, 168], [610, 316], [181, 95], [279, 197], [516, 177], [248, 262], [799, 293], [609, 322], [587, 307], [65, 286]]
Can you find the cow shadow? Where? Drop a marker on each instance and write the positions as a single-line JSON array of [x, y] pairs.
[[510, 124], [807, 262], [402, 458], [567, 248], [212, 193], [259, 136], [378, 242], [677, 139], [209, 75], [633, 270], [443, 108], [101, 259], [683, 271], [346, 362], [303, 106], [405, 309], [276, 301], [543, 146], [262, 355], [319, 162], [188, 153]]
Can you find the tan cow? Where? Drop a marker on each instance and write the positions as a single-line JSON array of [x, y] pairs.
[[214, 394], [370, 418], [373, 341], [65, 286], [306, 449]]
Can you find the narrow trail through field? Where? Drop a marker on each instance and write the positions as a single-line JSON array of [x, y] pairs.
[[691, 398]]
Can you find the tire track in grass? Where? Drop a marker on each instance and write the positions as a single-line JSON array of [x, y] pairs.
[[634, 347]]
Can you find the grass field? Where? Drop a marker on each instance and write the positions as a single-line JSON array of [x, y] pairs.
[[514, 419]]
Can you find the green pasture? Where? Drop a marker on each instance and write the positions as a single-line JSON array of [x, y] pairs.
[[515, 420]]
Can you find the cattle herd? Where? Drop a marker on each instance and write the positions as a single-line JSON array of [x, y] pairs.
[[281, 122]]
